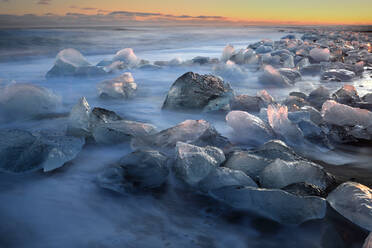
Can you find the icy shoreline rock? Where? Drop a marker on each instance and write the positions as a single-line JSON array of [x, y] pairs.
[[192, 91]]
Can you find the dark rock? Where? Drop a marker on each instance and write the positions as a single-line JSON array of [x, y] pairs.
[[294, 103], [346, 95], [298, 94], [194, 92], [247, 103], [304, 189], [318, 96], [338, 75], [140, 170]]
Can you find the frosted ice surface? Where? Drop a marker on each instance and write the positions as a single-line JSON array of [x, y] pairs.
[[120, 87], [343, 115], [249, 128], [283, 173], [278, 120], [71, 57], [354, 202], [272, 76], [194, 163], [121, 131], [127, 56], [274, 204], [79, 118], [227, 53], [27, 100], [221, 177]]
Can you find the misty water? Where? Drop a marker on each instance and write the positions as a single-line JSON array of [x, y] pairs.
[[66, 208]]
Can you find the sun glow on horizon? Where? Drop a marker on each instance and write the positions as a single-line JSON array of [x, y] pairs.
[[302, 12]]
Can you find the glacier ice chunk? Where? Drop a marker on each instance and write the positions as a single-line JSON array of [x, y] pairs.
[[354, 202], [19, 101], [280, 174], [121, 131], [222, 177], [344, 115], [194, 163], [21, 151], [196, 132], [272, 77], [79, 118], [227, 53], [249, 128], [70, 62], [127, 56], [247, 162], [279, 122], [274, 204], [119, 87]]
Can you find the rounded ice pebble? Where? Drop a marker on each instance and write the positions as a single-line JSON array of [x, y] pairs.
[[26, 101], [127, 56], [319, 54], [249, 128], [227, 53]]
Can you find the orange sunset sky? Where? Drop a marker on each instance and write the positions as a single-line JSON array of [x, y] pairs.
[[237, 11]]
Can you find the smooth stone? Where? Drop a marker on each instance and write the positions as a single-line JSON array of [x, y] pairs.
[[192, 91], [318, 96], [346, 95], [292, 74], [338, 75], [247, 103]]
